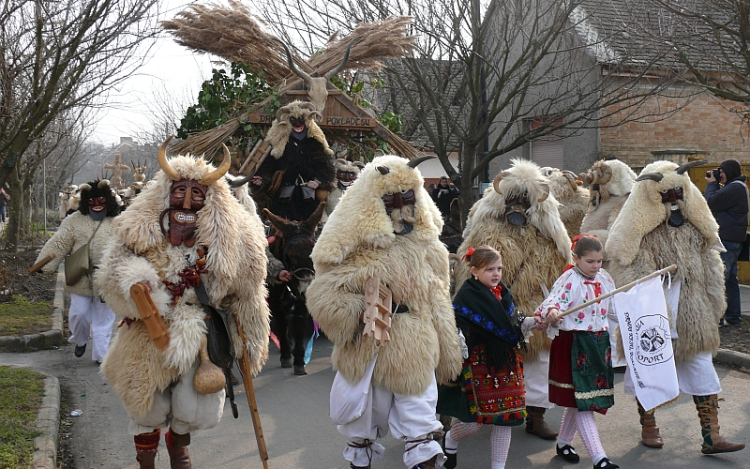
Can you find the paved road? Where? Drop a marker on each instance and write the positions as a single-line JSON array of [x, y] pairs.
[[294, 413]]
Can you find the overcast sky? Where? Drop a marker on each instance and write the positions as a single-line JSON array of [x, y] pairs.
[[170, 66]]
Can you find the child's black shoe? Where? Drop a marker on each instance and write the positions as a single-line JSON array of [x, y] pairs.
[[605, 464], [568, 453]]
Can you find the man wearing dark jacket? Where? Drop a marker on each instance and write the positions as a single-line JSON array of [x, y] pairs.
[[729, 204], [443, 195]]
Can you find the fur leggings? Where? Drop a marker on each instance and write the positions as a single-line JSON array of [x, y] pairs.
[[499, 440], [582, 421]]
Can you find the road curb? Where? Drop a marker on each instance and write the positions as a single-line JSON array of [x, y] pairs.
[[43, 340], [48, 422], [728, 357]]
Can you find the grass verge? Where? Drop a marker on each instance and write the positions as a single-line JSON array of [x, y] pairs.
[[20, 399], [21, 317]]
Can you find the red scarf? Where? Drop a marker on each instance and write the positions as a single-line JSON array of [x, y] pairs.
[[498, 292]]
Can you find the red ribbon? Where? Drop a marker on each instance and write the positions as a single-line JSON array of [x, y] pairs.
[[498, 291], [597, 288], [469, 253]]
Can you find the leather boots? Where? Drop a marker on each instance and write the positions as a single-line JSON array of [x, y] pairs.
[[177, 444], [536, 425], [708, 411], [649, 431], [146, 445]]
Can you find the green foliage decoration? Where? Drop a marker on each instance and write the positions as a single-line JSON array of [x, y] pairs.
[[226, 95]]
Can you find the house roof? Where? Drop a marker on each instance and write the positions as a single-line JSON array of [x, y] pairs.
[[636, 33]]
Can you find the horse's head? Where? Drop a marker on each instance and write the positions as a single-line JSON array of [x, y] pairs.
[[294, 244]]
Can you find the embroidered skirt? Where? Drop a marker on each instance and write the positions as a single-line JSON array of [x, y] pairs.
[[580, 372], [486, 394]]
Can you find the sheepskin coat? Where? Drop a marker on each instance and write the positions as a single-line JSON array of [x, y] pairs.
[[75, 231], [641, 242], [139, 252], [533, 255], [607, 201], [357, 243], [573, 198]]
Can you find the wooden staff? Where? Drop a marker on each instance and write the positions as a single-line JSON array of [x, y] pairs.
[[38, 266], [247, 381], [623, 288]]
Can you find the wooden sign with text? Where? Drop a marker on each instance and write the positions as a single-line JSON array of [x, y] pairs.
[[344, 122]]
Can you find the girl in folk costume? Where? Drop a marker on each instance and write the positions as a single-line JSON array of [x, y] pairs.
[[92, 224], [581, 376], [491, 384]]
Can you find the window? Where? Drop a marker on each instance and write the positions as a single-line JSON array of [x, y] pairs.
[[548, 150]]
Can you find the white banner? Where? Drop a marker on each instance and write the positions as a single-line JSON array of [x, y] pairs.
[[645, 328]]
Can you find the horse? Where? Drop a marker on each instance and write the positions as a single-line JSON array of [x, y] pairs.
[[293, 245]]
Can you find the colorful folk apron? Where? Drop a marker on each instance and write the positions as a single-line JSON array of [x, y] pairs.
[[580, 374]]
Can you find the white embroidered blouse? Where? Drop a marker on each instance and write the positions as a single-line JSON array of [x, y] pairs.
[[572, 289]]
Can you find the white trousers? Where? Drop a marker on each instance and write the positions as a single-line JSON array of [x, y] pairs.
[[87, 317], [696, 376], [536, 379], [181, 408], [410, 418]]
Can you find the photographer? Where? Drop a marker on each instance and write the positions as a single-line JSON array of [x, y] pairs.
[[729, 205]]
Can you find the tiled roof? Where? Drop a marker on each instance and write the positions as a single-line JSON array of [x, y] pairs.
[[626, 32]]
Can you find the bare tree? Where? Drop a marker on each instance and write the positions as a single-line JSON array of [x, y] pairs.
[[707, 41], [491, 75], [59, 55]]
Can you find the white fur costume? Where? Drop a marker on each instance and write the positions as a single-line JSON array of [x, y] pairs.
[[358, 243], [143, 376], [641, 242]]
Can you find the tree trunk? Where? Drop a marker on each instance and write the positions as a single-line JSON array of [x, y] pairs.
[[468, 196], [15, 214]]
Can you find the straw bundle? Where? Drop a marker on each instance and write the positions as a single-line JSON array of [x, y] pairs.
[[375, 41], [235, 34]]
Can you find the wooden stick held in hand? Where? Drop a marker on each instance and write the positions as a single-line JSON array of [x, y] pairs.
[[157, 331], [38, 266]]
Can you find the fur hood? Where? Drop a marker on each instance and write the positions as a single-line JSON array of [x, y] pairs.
[[644, 211], [360, 219], [524, 177], [608, 178], [281, 129]]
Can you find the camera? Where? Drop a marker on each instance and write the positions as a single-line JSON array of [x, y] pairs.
[[716, 173]]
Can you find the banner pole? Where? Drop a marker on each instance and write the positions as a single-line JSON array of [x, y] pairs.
[[623, 288]]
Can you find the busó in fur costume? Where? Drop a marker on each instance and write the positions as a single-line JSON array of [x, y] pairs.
[[610, 183], [94, 215], [232, 243], [519, 218], [667, 221], [573, 198], [361, 240], [300, 160]]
